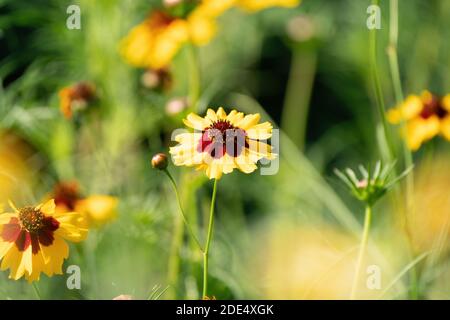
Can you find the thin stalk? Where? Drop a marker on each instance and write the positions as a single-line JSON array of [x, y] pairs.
[[37, 291], [188, 226], [362, 250], [296, 106], [208, 241], [173, 265], [407, 154], [379, 92], [194, 80]]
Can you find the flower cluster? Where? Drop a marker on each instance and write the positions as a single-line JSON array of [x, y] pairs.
[[154, 42]]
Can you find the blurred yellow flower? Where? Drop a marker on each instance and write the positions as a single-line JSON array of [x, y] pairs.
[[221, 142], [97, 209], [32, 240], [15, 173], [430, 222], [425, 116], [75, 97], [154, 42]]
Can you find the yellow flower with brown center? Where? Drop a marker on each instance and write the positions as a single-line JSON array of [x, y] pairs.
[[32, 240], [222, 143], [425, 117], [154, 42], [97, 209], [75, 97]]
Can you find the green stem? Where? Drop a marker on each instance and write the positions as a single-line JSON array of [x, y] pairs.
[[37, 291], [208, 241], [379, 92], [194, 80], [188, 226], [362, 250], [407, 154], [295, 110]]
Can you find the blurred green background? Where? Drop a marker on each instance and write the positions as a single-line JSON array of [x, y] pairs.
[[306, 69]]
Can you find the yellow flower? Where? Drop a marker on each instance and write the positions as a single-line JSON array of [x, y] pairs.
[[75, 97], [97, 209], [15, 172], [32, 240], [425, 116], [222, 143], [154, 42]]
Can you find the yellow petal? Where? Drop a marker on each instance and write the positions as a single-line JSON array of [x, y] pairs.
[[38, 267], [221, 114], [5, 217], [211, 115], [57, 252], [4, 248], [196, 122], [48, 208], [262, 131], [446, 102], [421, 130], [445, 127], [12, 261], [234, 117], [249, 121]]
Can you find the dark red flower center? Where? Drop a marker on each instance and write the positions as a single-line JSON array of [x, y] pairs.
[[222, 137], [32, 228], [433, 107]]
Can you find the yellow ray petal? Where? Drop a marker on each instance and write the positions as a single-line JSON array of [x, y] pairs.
[[249, 121], [196, 122]]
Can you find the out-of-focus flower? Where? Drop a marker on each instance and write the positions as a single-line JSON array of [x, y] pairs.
[[97, 209], [155, 42], [75, 97], [308, 262], [222, 143], [160, 79], [32, 240], [425, 116], [430, 219], [176, 105], [123, 297], [374, 183], [15, 173]]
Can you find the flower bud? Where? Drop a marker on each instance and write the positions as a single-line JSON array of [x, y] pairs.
[[159, 161]]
